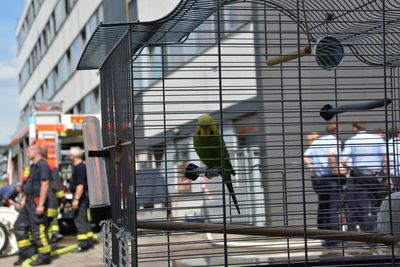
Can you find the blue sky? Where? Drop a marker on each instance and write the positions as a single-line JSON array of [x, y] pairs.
[[10, 10]]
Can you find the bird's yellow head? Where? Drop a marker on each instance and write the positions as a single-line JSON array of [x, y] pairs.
[[206, 127]]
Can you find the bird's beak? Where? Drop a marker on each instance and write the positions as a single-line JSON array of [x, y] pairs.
[[203, 130]]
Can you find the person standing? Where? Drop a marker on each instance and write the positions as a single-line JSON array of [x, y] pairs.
[[321, 159], [32, 218], [56, 199], [80, 202], [364, 154], [310, 139]]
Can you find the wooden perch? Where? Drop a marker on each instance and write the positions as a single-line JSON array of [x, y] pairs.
[[291, 232], [290, 56]]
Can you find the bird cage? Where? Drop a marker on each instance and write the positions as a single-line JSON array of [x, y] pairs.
[[265, 74]]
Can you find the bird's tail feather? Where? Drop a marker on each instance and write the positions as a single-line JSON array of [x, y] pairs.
[[233, 196]]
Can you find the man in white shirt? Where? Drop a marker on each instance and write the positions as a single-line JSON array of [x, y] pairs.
[[321, 159], [365, 155]]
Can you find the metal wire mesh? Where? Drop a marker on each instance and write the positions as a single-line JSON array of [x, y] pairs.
[[161, 77]]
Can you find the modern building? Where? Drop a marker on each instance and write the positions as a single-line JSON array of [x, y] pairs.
[[51, 36]]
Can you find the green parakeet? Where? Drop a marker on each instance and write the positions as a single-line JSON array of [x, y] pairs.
[[207, 144]]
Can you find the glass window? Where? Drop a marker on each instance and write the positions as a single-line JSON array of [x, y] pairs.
[[20, 38], [156, 62], [91, 26], [62, 72], [96, 93], [78, 108], [76, 49], [39, 94], [89, 103], [70, 68], [31, 15], [68, 5], [44, 40], [45, 91], [51, 83], [100, 14], [52, 27], [24, 75], [83, 35], [60, 14], [235, 16], [35, 6]]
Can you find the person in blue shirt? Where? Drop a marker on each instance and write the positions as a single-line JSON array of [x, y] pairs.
[[364, 155], [8, 195], [321, 159]]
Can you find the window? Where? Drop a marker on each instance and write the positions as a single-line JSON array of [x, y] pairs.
[[32, 12], [96, 93], [91, 26], [39, 94], [45, 90], [24, 75], [51, 82], [100, 14], [68, 5], [70, 66], [52, 26], [83, 35], [156, 62], [76, 49], [62, 73], [77, 108], [89, 103], [60, 14], [235, 16]]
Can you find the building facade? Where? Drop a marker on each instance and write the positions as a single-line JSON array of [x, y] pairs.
[[51, 36]]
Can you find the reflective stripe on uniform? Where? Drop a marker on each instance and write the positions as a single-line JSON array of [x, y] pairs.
[[88, 215], [42, 236], [24, 243], [55, 228], [52, 212], [90, 234], [44, 249], [81, 237], [60, 194]]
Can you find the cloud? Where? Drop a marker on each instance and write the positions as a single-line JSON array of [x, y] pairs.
[[9, 113], [8, 71]]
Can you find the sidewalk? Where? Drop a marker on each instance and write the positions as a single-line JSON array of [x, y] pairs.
[[91, 258]]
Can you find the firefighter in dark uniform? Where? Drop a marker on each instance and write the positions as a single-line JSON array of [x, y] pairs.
[[80, 203], [33, 216], [365, 155], [56, 199]]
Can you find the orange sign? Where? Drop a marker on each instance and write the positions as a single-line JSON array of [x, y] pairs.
[[50, 127]]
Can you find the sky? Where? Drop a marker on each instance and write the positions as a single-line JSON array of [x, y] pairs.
[[10, 11]]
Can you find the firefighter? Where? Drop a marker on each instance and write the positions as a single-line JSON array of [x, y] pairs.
[[33, 216], [56, 199], [80, 202]]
